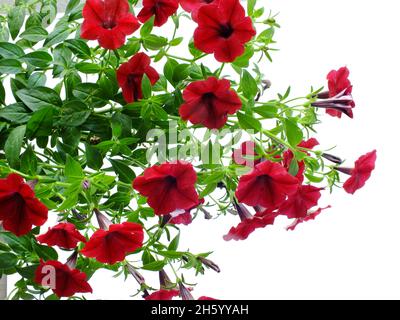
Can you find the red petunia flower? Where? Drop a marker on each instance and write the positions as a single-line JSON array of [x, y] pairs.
[[288, 157], [223, 29], [298, 204], [206, 298], [208, 102], [163, 294], [160, 9], [193, 6], [267, 185], [360, 173], [340, 85], [246, 155], [184, 217], [108, 21], [64, 235], [130, 76], [168, 187], [308, 217], [63, 280], [19, 208], [111, 246]]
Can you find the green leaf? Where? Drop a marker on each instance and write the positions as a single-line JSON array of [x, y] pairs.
[[88, 68], [154, 42], [34, 34], [38, 59], [28, 272], [146, 29], [74, 114], [248, 85], [146, 87], [244, 59], [154, 266], [10, 66], [10, 50], [169, 67], [73, 169], [39, 97], [248, 122], [181, 72], [79, 47], [45, 252], [94, 159], [13, 145], [2, 94], [8, 260], [125, 174], [176, 41], [250, 6], [16, 113], [15, 18], [294, 167], [29, 162], [41, 123], [293, 132], [58, 35], [37, 79], [173, 246]]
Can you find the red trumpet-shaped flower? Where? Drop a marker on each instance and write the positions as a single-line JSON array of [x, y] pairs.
[[360, 173], [63, 280], [183, 216], [193, 6], [163, 294], [19, 208], [267, 185], [168, 187], [223, 29], [130, 76], [246, 155], [112, 245], [308, 217], [108, 21], [160, 9], [208, 102], [64, 235]]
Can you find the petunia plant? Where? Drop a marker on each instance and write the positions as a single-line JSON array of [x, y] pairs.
[[121, 123]]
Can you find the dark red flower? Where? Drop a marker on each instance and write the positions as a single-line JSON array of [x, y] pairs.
[[298, 204], [288, 157], [108, 21], [64, 281], [308, 217], [130, 76], [111, 246], [267, 185], [246, 155], [360, 173], [250, 224], [193, 6], [223, 29], [208, 102], [163, 294], [206, 298], [168, 187], [340, 89], [19, 208], [64, 235], [184, 217], [160, 9]]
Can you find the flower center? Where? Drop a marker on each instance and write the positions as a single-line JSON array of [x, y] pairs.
[[225, 30], [208, 1], [170, 181], [208, 97], [109, 24]]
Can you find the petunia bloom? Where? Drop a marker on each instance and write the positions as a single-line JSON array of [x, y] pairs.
[[360, 173], [163, 294], [204, 298], [112, 245], [193, 6], [63, 280], [184, 216], [246, 155], [267, 185], [308, 217], [298, 204], [338, 99], [19, 208], [168, 187], [108, 21], [130, 76], [223, 29], [160, 9], [63, 235], [208, 102]]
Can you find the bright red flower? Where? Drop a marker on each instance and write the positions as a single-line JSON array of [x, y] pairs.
[[338, 82], [298, 204], [223, 29], [130, 76], [168, 187], [64, 235], [111, 246], [163, 295], [360, 173], [206, 298], [19, 208], [160, 9], [267, 185], [184, 217], [193, 6], [246, 155], [288, 157], [308, 217], [208, 102], [250, 224], [108, 21], [67, 281]]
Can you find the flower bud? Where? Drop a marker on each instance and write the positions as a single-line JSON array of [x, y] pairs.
[[341, 102], [165, 282], [71, 261], [104, 222], [332, 158], [184, 292], [242, 211], [210, 264]]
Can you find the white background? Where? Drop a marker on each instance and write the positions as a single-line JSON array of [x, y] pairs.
[[352, 250]]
